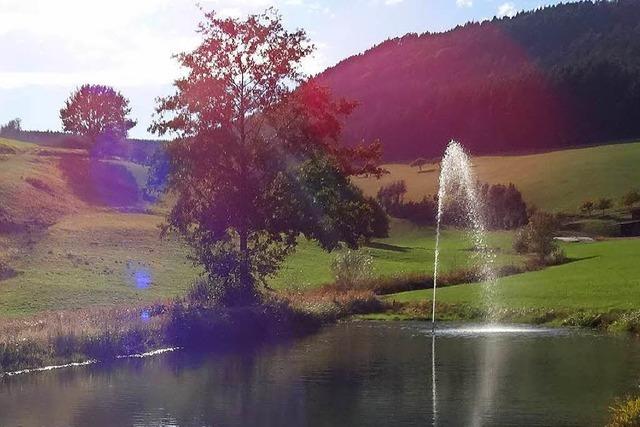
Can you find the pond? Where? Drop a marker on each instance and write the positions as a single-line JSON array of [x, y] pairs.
[[355, 374]]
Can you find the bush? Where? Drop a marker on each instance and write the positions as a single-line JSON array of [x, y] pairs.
[[625, 413], [350, 267], [537, 237], [379, 219]]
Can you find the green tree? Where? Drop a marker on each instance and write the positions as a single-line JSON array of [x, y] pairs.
[[255, 164], [587, 207], [603, 204], [96, 110]]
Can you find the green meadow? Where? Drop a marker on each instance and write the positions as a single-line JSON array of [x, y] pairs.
[[87, 254], [600, 276]]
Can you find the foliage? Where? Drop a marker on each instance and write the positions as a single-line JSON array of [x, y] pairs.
[[503, 206], [351, 266], [97, 111], [555, 76], [587, 207], [537, 236], [254, 164], [603, 204], [392, 194], [379, 221], [630, 198], [11, 129], [625, 413]]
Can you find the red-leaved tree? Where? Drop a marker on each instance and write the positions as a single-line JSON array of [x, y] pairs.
[[96, 110], [255, 162]]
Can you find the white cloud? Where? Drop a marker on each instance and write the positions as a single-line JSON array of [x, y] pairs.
[[118, 42], [392, 2], [506, 9], [464, 3]]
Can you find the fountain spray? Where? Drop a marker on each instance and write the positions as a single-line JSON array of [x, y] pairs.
[[456, 180]]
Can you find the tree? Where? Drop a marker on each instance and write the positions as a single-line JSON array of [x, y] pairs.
[[12, 128], [630, 198], [587, 207], [418, 163], [254, 164], [95, 111], [603, 204]]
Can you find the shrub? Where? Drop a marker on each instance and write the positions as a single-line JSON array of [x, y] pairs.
[[379, 219], [625, 413], [537, 237], [351, 266]]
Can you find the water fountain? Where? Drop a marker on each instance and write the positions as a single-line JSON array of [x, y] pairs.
[[457, 182]]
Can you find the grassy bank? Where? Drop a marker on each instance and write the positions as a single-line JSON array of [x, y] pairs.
[[598, 288], [599, 276], [99, 334]]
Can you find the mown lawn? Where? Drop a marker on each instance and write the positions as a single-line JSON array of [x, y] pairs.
[[409, 249], [105, 258], [601, 276]]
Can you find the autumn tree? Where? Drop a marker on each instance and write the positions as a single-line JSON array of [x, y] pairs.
[[256, 163], [603, 204], [418, 163], [94, 111], [630, 198], [587, 207]]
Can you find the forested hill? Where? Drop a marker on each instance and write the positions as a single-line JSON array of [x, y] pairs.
[[558, 76]]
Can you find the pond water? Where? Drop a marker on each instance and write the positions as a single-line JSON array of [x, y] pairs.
[[352, 374]]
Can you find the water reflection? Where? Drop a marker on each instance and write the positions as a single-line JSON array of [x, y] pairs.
[[353, 374]]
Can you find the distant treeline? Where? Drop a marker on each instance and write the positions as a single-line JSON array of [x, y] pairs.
[[503, 206], [137, 150], [563, 75]]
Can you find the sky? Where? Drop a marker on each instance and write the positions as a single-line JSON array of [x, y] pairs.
[[48, 48]]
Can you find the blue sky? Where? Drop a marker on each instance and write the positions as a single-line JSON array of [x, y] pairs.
[[50, 47]]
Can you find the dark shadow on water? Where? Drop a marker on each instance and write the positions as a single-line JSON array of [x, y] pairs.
[[387, 247]]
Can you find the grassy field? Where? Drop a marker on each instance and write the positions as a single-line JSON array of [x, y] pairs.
[[554, 181], [95, 241], [601, 276], [410, 249]]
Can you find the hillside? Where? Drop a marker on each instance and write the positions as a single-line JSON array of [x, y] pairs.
[[77, 231], [555, 181], [559, 76]]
